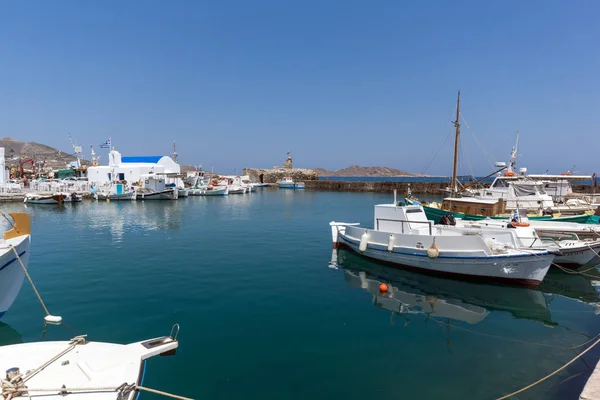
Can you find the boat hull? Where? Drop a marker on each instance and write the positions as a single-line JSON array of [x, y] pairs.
[[522, 270], [11, 273], [169, 194], [435, 214], [51, 200], [288, 185], [115, 197], [215, 192]]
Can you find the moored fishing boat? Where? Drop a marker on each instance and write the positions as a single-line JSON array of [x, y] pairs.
[[52, 199], [435, 211], [115, 192], [166, 194], [215, 191], [15, 245], [79, 369], [572, 252], [402, 236], [288, 183]]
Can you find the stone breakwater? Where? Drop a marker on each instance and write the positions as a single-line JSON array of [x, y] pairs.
[[382, 187], [273, 175]]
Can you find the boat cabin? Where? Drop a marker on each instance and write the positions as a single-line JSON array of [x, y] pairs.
[[406, 219], [153, 182], [475, 206]]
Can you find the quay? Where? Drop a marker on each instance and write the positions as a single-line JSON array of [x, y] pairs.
[[591, 390]]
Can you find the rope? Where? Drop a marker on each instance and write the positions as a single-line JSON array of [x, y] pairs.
[[124, 389], [551, 374], [74, 342], [30, 280], [174, 396], [566, 270]]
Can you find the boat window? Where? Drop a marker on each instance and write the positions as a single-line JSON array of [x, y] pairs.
[[109, 176], [121, 176], [409, 211], [499, 183]]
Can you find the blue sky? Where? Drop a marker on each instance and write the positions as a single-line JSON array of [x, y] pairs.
[[240, 83]]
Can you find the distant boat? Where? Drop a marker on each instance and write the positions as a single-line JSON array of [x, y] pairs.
[[11, 272], [166, 194], [215, 191], [52, 199], [116, 192], [288, 183]]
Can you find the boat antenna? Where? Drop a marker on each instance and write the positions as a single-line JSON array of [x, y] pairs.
[[513, 156], [457, 133]]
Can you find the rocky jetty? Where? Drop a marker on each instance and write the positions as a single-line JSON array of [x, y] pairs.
[[276, 173], [357, 170]]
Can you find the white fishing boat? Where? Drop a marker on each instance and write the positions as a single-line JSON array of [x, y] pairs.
[[288, 183], [155, 188], [571, 252], [402, 236], [115, 192], [35, 198], [78, 369], [182, 192], [15, 241], [215, 191]]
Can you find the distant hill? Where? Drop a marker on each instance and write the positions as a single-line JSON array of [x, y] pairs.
[[357, 170], [15, 149]]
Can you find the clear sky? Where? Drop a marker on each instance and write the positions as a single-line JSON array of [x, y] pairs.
[[240, 83]]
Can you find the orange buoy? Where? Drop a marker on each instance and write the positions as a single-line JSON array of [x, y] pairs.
[[383, 287]]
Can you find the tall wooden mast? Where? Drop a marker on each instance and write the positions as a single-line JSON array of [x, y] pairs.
[[457, 126]]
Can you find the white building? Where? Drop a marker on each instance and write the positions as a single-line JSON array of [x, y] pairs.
[[133, 169]]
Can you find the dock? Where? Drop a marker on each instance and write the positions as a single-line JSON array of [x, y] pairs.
[[591, 390]]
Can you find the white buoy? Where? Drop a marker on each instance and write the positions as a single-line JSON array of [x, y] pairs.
[[363, 242], [391, 241], [53, 319], [432, 251]]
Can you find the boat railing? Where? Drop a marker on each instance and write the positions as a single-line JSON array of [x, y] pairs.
[[403, 221]]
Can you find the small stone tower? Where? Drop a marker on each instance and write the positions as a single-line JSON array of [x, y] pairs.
[[288, 161]]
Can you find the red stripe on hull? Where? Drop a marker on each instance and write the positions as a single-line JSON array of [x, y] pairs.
[[452, 275]]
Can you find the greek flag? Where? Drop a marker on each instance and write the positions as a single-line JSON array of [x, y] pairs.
[[106, 145], [409, 192]]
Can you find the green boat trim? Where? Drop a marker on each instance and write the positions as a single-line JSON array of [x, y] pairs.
[[435, 214]]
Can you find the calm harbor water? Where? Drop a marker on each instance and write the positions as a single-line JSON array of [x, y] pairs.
[[264, 315]]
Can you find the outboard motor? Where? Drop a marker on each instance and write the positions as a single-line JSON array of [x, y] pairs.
[[447, 219]]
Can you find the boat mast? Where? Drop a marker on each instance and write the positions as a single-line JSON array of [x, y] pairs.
[[174, 152], [513, 156], [457, 126]]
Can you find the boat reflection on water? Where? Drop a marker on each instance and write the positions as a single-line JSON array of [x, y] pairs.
[[413, 293], [8, 335], [583, 288]]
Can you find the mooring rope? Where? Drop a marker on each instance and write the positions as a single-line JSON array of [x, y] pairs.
[[30, 280], [551, 374]]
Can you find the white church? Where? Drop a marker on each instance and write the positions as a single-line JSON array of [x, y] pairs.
[[134, 169]]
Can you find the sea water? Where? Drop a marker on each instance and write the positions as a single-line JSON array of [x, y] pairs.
[[268, 312]]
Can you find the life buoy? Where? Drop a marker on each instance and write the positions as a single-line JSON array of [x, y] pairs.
[[520, 223], [510, 173]]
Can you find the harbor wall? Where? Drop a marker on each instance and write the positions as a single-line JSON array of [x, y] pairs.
[[378, 187]]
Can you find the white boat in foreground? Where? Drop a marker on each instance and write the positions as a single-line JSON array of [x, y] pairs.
[[288, 183], [78, 369], [11, 272], [402, 236]]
